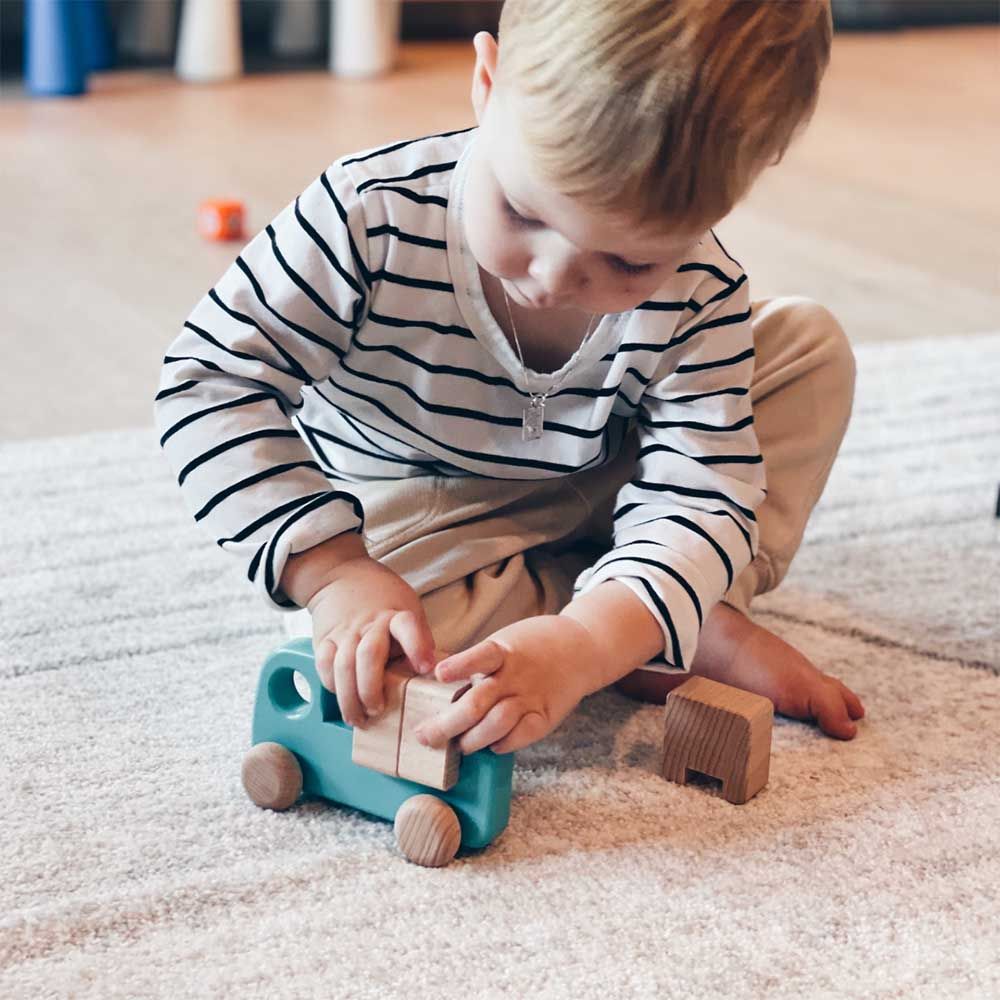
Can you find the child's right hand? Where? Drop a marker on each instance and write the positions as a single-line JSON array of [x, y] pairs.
[[364, 617]]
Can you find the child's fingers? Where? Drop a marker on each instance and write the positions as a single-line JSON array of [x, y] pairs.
[[828, 707], [370, 659], [346, 684], [497, 724], [531, 727], [324, 656], [414, 637], [485, 657], [459, 716]]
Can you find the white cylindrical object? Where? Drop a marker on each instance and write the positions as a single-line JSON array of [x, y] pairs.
[[297, 27], [209, 46], [364, 36]]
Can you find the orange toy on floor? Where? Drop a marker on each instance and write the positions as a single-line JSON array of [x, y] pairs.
[[221, 219]]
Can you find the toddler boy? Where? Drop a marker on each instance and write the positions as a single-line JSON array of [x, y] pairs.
[[501, 393]]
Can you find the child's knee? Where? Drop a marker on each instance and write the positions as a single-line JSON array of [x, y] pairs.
[[837, 350], [831, 352]]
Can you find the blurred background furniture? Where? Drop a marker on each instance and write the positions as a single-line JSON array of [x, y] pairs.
[[303, 34], [209, 44], [900, 13], [297, 29], [356, 38], [63, 41], [146, 31], [364, 37]]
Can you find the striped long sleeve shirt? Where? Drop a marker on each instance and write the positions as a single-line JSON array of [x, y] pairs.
[[350, 340]]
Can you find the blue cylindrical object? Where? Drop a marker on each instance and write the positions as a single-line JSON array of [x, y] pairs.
[[53, 54], [95, 31]]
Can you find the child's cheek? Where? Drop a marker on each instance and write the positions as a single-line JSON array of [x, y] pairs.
[[479, 225], [482, 250], [509, 257], [494, 247], [632, 292]]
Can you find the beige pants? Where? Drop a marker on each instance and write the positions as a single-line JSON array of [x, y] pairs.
[[484, 553]]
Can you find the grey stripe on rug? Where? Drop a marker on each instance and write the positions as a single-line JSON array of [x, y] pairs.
[[134, 866]]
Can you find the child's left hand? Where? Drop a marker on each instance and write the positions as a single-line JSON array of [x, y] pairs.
[[537, 671]]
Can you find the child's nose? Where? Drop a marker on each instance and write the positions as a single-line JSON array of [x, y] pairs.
[[557, 276]]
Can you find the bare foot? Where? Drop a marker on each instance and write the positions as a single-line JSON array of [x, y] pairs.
[[734, 650]]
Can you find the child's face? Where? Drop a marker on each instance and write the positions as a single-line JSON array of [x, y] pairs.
[[547, 250]]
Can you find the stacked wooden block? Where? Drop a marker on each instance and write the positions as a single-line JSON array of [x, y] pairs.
[[387, 743]]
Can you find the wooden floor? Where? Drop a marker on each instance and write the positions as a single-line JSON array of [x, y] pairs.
[[885, 210]]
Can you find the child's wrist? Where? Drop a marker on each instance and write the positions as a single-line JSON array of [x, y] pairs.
[[623, 630], [588, 654], [307, 573]]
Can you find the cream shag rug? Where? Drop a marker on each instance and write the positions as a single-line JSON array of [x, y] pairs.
[[134, 866]]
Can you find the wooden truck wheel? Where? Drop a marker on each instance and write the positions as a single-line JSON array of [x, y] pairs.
[[272, 776], [427, 831]]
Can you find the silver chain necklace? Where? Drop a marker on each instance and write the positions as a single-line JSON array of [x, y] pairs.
[[533, 418]]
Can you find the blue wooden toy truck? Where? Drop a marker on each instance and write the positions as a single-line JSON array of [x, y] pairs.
[[301, 744]]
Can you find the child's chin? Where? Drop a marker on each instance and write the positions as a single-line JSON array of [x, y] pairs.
[[521, 298]]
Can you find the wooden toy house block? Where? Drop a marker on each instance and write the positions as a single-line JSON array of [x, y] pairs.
[[377, 745], [720, 731], [437, 767], [387, 743]]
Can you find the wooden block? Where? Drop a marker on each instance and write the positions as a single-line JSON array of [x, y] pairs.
[[377, 745], [437, 767], [721, 731]]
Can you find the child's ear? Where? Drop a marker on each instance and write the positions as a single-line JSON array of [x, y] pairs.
[[484, 71]]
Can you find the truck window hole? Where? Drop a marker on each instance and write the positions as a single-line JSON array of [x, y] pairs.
[[302, 686], [289, 691]]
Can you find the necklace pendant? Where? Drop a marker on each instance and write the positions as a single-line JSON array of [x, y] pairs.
[[534, 420]]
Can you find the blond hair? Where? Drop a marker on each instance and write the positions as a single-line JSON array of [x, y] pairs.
[[666, 110]]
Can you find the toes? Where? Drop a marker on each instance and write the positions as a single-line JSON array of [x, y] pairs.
[[829, 709], [854, 707]]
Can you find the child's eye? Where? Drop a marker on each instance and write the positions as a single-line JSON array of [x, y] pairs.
[[624, 265], [515, 216], [617, 262]]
